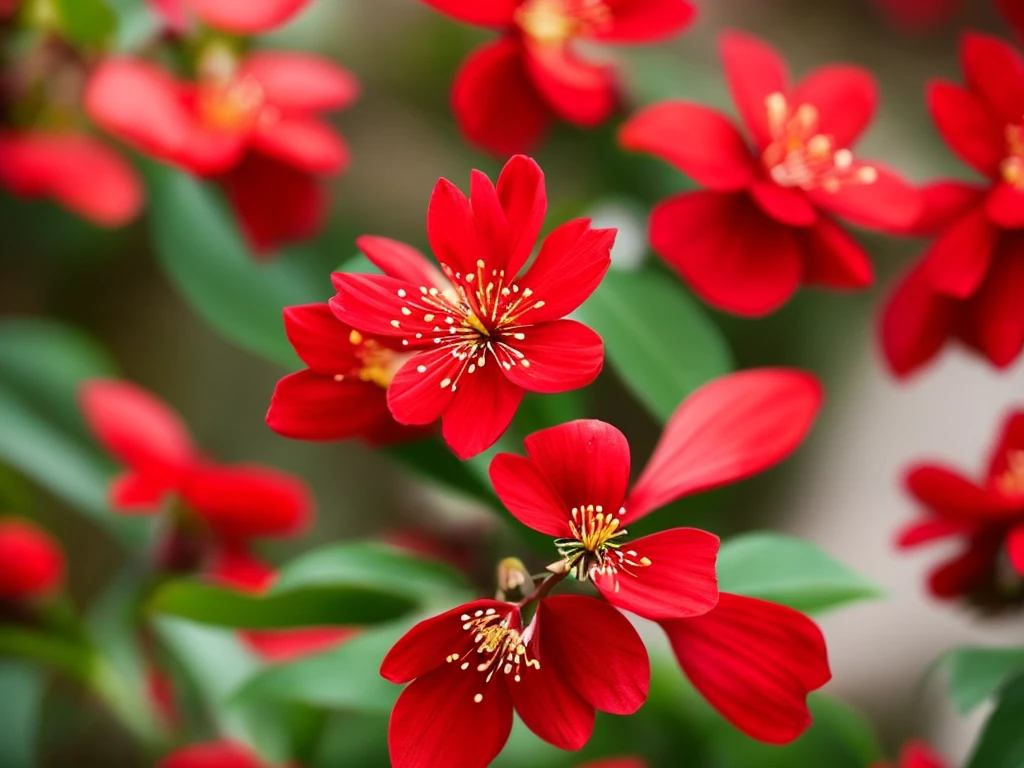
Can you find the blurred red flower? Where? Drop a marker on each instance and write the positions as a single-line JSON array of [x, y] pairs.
[[74, 169], [1013, 10], [508, 92], [234, 501], [988, 517], [755, 662], [474, 664], [243, 17], [767, 221], [969, 283], [213, 754], [919, 14], [31, 561], [917, 754], [479, 311]]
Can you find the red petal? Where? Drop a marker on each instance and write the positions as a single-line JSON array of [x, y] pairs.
[[401, 261], [944, 201], [645, 21], [680, 581], [845, 97], [732, 428], [322, 341], [452, 230], [755, 662], [927, 531], [562, 355], [137, 494], [214, 754], [1015, 548], [528, 495], [787, 205], [700, 142], [437, 722], [959, 259], [495, 103], [754, 71], [967, 127], [173, 14], [945, 491], [967, 571], [998, 311], [585, 461], [497, 13], [916, 323], [247, 16], [491, 224], [832, 258], [416, 396], [248, 501], [889, 204], [308, 406], [524, 200], [77, 171], [1013, 10], [140, 430], [1011, 438], [301, 82], [617, 762], [612, 675], [303, 143], [280, 646], [31, 561], [731, 254], [571, 264], [374, 303], [480, 411], [1005, 206], [579, 92], [917, 754], [994, 72], [275, 204]]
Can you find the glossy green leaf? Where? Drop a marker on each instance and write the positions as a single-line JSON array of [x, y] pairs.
[[22, 689], [1001, 744], [661, 343], [976, 674], [790, 571], [87, 22]]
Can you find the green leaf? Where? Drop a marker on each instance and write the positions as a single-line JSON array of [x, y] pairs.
[[789, 571], [87, 22], [434, 462], [661, 343], [1001, 744], [976, 674], [23, 688]]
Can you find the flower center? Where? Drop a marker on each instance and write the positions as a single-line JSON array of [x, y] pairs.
[[554, 22], [1012, 168], [1011, 482], [225, 100], [800, 156], [498, 645], [593, 546], [378, 363]]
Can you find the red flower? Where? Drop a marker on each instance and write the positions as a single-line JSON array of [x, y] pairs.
[[244, 17], [213, 754], [767, 221], [235, 566], [235, 501], [76, 170], [509, 92], [917, 754], [573, 486], [473, 665], [31, 562], [988, 517], [919, 14], [482, 333], [755, 662], [969, 282], [343, 393]]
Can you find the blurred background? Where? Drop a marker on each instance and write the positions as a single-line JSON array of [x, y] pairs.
[[842, 490]]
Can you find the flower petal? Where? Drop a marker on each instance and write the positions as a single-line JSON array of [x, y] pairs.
[[401, 261], [452, 230], [374, 304], [1005, 206], [755, 662], [612, 675], [958, 260], [491, 224], [1011, 438], [888, 204], [498, 13], [966, 126], [927, 531], [308, 406], [731, 254], [947, 492], [284, 645], [322, 341], [845, 97], [917, 754], [1014, 13], [496, 104], [301, 82], [132, 493], [787, 205], [944, 201], [968, 571], [1015, 548], [730, 429], [557, 357], [306, 144], [416, 395], [700, 142], [916, 323], [247, 16], [585, 461], [645, 21], [754, 71], [576, 90], [480, 411], [998, 312], [994, 72], [524, 199], [679, 581], [31, 561], [832, 257], [528, 495], [214, 754]]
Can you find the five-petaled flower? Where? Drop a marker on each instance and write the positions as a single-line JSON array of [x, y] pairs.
[[482, 333], [969, 283], [988, 517], [573, 486], [31, 561], [508, 92], [766, 222], [471, 666]]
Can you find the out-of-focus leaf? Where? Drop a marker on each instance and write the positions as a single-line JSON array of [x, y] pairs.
[[976, 674], [434, 462], [1001, 744], [22, 688], [658, 339], [86, 22], [790, 571]]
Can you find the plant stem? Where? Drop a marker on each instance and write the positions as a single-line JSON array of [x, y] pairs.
[[541, 590]]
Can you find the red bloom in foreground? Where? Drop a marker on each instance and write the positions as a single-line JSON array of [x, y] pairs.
[[755, 662], [343, 393], [917, 754], [482, 333], [76, 170], [235, 501], [244, 17], [508, 92], [31, 561], [767, 221], [969, 283], [987, 516], [573, 486], [213, 754], [473, 665]]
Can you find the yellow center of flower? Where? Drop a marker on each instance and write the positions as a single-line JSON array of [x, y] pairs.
[[498, 646], [1012, 480], [555, 22], [1012, 168], [378, 363], [226, 100], [802, 157], [593, 548]]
